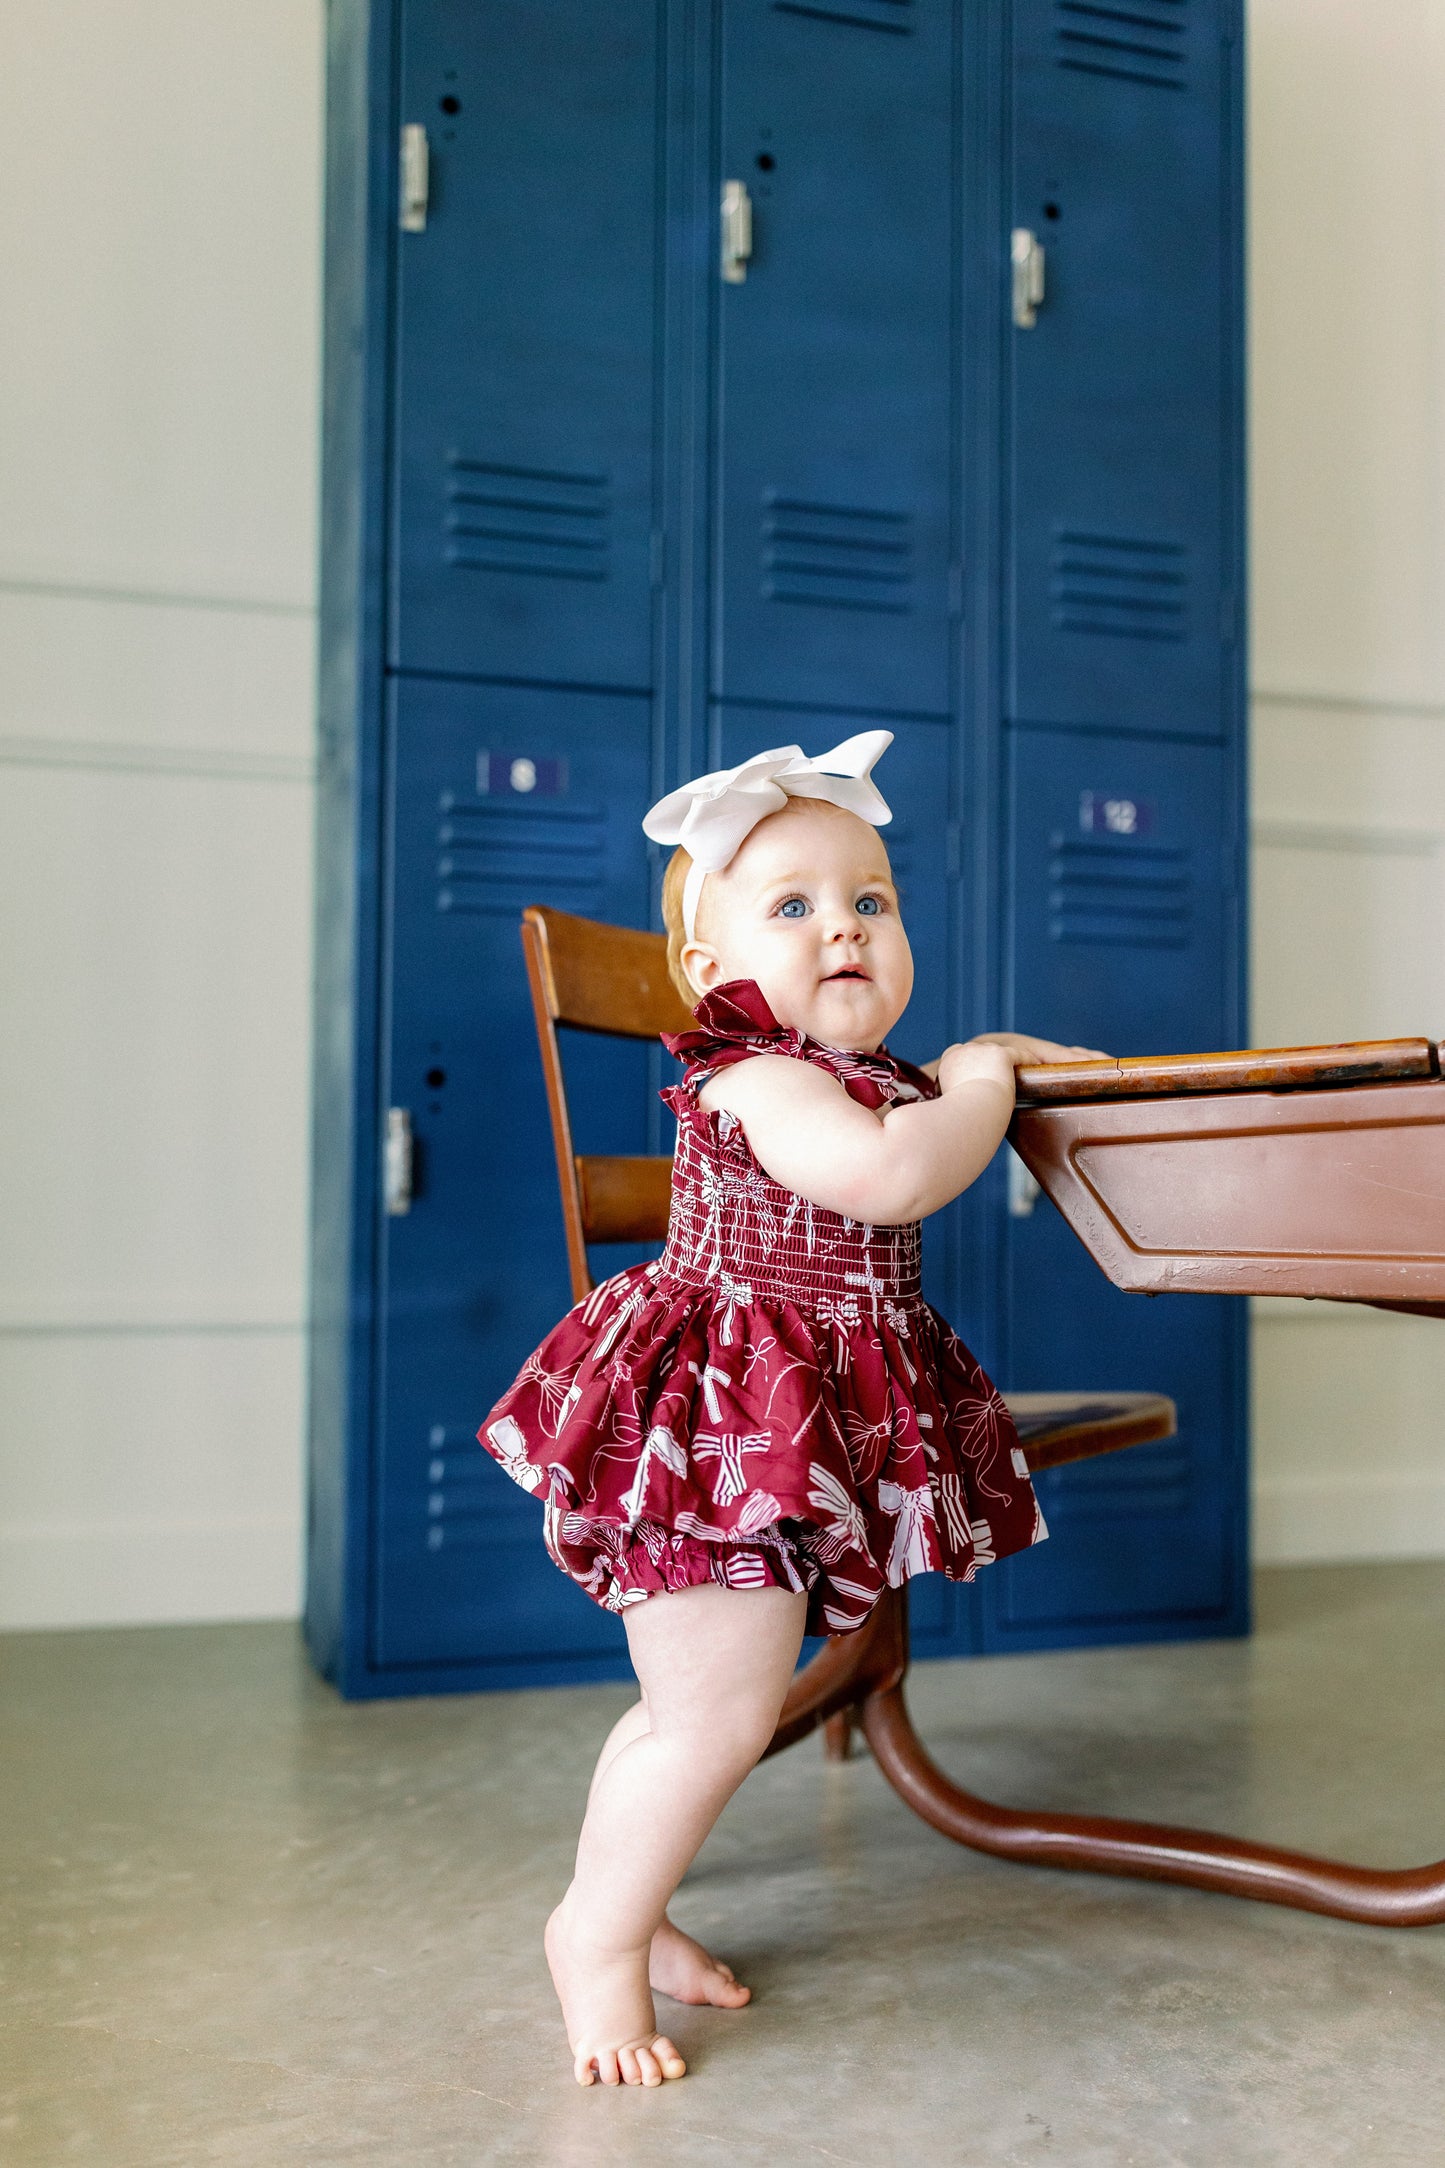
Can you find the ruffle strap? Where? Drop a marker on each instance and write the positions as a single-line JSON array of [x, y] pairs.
[[734, 1023]]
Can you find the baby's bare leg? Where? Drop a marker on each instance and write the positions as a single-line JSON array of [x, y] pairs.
[[677, 1964], [714, 1665], [629, 1726]]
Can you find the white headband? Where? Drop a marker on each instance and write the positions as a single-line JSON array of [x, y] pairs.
[[711, 816]]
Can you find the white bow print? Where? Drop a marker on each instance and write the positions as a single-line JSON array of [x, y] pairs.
[[909, 1550], [734, 1295], [510, 1448], [661, 1445], [711, 816], [843, 1525], [727, 1449]]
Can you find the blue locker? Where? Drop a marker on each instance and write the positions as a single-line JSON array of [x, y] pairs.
[[1119, 935], [834, 488], [596, 516], [500, 796], [526, 335], [1122, 426]]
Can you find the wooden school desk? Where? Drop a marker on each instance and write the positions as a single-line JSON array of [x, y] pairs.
[[1315, 1171]]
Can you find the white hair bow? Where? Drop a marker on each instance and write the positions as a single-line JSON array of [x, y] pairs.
[[712, 815]]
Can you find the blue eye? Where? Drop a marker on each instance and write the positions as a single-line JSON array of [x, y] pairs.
[[793, 907], [868, 906]]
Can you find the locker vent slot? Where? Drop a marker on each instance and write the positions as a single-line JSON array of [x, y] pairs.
[[1119, 895], [1121, 585], [837, 556], [496, 857], [1149, 1479], [538, 521], [469, 1501], [1142, 41], [866, 14]]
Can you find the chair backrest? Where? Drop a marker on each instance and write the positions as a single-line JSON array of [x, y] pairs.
[[611, 979]]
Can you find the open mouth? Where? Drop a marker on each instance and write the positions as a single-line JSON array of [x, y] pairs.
[[849, 971]]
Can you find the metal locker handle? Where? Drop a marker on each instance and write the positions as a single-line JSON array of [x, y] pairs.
[[397, 1159], [1028, 280], [415, 178], [737, 231]]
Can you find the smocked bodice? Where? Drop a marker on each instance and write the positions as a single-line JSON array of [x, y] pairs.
[[732, 1226]]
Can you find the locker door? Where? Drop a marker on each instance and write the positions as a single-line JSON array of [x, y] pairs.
[[1121, 389], [832, 436], [1118, 938], [499, 798], [525, 342]]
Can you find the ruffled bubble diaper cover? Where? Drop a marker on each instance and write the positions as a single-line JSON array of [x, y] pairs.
[[771, 1403]]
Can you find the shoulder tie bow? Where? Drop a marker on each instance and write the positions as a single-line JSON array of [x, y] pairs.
[[712, 815]]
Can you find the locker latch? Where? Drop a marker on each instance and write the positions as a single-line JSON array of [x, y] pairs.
[[396, 1161], [1028, 277], [415, 178], [737, 231]]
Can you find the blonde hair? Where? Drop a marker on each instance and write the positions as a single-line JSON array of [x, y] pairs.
[[673, 881]]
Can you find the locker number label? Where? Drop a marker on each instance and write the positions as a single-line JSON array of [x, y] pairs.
[[520, 775], [1110, 813]]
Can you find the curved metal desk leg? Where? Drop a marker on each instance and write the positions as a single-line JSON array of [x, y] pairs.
[[1155, 1852], [838, 1734]]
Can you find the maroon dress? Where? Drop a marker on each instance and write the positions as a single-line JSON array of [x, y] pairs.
[[771, 1403]]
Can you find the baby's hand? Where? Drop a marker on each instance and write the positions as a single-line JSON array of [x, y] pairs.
[[1023, 1051], [977, 1060]]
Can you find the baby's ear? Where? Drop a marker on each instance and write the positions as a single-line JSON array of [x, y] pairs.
[[700, 966]]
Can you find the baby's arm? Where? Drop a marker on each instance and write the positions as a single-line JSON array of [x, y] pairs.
[[809, 1135]]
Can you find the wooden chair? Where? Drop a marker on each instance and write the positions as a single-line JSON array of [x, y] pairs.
[[592, 977]]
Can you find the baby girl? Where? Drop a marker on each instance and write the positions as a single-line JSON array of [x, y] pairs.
[[755, 1435]]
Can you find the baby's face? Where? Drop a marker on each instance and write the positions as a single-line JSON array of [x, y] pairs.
[[808, 909]]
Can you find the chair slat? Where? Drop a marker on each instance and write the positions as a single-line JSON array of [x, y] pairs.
[[606, 978], [1056, 1428], [624, 1200]]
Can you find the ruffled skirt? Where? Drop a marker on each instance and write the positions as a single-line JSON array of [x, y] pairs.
[[678, 1435]]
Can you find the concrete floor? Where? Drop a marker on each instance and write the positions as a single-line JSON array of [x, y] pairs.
[[246, 1924]]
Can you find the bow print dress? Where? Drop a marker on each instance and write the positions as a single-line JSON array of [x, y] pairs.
[[771, 1403]]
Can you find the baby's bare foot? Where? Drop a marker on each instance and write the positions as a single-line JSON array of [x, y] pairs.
[[607, 2009], [679, 1967]]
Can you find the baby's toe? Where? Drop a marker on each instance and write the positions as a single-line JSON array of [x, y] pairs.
[[670, 2062], [649, 2071]]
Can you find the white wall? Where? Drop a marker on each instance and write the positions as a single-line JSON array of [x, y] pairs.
[[1348, 365], [159, 257], [160, 260]]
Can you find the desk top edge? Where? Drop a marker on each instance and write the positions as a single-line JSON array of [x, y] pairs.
[[1288, 1068]]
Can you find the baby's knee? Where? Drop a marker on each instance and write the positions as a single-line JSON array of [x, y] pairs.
[[738, 1733]]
